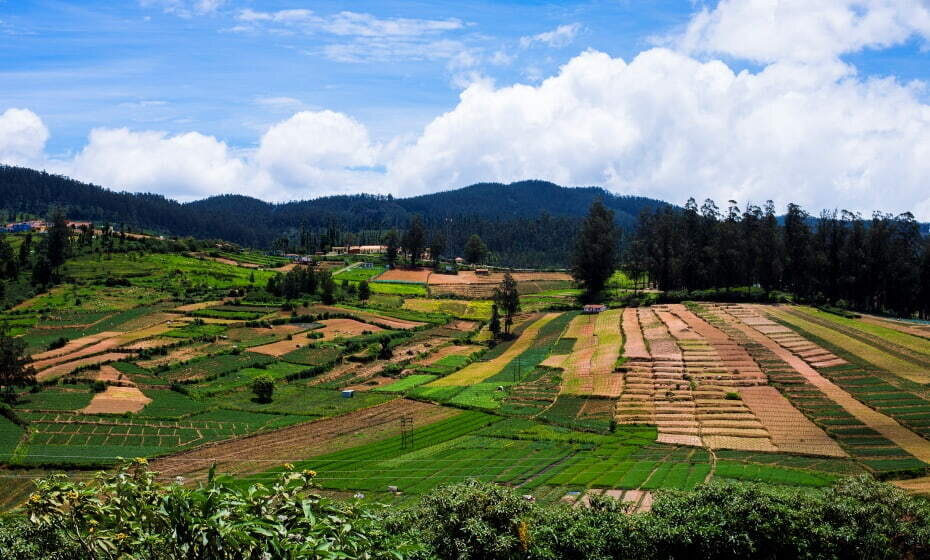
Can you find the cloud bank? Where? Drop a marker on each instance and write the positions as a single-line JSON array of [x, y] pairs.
[[671, 123]]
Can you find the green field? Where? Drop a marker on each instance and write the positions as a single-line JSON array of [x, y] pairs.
[[253, 257], [398, 289], [406, 383], [497, 415], [472, 309], [299, 399], [359, 274]]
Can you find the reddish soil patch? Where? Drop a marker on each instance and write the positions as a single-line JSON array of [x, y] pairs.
[[336, 328], [97, 348], [888, 427], [261, 452], [117, 400], [150, 343], [182, 354], [469, 277], [634, 344], [112, 375], [72, 346], [419, 275], [791, 431], [464, 326], [332, 328], [66, 368], [916, 485], [282, 347], [388, 322]]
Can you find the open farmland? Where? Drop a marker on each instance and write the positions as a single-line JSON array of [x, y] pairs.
[[621, 403]]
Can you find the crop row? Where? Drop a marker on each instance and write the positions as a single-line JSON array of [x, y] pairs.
[[857, 439]]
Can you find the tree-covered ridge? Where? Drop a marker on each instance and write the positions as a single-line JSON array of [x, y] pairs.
[[877, 264], [529, 223]]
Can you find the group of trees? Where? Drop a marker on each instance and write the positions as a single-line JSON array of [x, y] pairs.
[[881, 264], [301, 281], [36, 263], [596, 250], [412, 243], [506, 302], [15, 370], [132, 514]]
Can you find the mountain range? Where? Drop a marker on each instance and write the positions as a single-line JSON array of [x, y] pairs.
[[524, 223]]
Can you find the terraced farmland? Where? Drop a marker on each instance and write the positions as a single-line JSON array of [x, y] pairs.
[[410, 392]]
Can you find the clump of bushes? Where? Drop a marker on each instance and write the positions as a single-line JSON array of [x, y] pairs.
[[858, 518], [59, 342]]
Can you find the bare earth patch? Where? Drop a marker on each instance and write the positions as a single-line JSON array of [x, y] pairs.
[[417, 275], [149, 343], [885, 425], [197, 306], [181, 354], [366, 316], [66, 368], [791, 431], [73, 346], [336, 328], [117, 400], [469, 277]]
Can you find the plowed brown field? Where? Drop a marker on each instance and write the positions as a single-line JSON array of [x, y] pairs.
[[261, 452]]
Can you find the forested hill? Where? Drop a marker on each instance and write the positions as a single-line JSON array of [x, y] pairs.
[[525, 223]]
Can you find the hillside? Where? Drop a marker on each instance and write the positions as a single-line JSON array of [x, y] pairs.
[[525, 222]]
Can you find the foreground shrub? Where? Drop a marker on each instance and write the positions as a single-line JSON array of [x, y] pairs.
[[470, 520], [859, 518], [128, 514]]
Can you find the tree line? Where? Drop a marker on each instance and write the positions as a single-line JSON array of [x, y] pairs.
[[529, 223], [878, 264]]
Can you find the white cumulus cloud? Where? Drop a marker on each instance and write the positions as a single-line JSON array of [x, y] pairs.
[[668, 123], [22, 137], [804, 30], [322, 152], [669, 126], [183, 166]]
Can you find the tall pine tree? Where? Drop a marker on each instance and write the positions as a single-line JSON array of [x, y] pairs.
[[595, 255]]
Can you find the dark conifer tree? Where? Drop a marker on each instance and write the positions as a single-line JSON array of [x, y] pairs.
[[414, 240], [58, 237], [437, 246], [392, 246], [507, 300], [595, 257], [475, 250]]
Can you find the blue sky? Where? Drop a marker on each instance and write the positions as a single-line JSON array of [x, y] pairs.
[[823, 102], [89, 64]]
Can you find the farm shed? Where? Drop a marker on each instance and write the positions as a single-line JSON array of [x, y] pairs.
[[598, 308]]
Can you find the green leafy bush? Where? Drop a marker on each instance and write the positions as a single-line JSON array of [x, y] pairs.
[[128, 514]]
